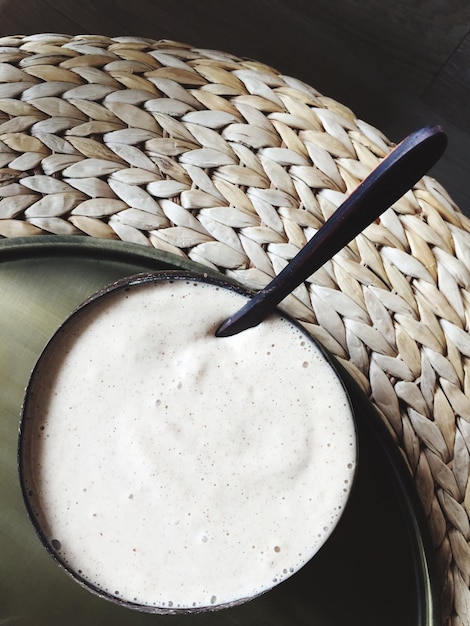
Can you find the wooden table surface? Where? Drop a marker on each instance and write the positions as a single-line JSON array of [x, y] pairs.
[[398, 65]]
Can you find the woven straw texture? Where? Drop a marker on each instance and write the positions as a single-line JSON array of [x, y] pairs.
[[235, 166]]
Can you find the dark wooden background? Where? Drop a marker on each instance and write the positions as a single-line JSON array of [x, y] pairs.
[[398, 64]]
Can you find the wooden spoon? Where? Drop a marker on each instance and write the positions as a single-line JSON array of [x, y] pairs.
[[392, 178]]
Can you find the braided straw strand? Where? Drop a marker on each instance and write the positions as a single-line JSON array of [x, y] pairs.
[[229, 163]]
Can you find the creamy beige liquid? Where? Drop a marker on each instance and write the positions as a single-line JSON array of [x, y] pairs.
[[175, 469]]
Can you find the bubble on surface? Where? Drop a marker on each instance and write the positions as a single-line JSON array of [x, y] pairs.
[[55, 543]]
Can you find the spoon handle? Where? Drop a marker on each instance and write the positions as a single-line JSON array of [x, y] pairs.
[[393, 177]]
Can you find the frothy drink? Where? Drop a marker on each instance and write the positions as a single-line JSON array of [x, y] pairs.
[[170, 468]]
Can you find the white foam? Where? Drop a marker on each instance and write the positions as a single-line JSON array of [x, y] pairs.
[[177, 469]]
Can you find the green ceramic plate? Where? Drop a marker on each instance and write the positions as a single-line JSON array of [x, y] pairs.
[[375, 569]]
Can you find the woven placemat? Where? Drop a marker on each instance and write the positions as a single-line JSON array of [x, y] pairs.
[[232, 164]]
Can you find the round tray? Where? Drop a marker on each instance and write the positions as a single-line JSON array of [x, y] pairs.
[[376, 568]]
